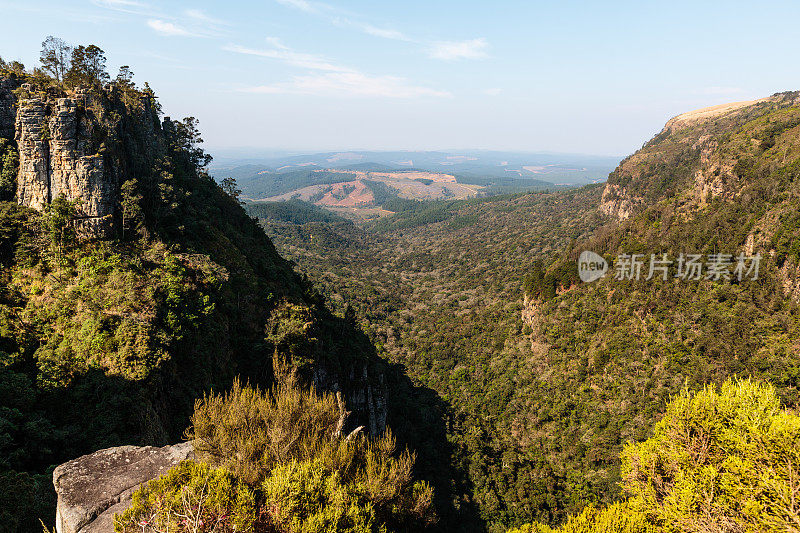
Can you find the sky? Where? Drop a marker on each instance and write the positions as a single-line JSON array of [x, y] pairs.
[[305, 75]]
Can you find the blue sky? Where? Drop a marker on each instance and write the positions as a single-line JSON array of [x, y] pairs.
[[580, 77]]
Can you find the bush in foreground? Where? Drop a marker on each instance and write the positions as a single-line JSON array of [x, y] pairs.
[[280, 461], [724, 459]]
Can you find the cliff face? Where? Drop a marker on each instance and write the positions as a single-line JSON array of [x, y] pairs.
[[72, 143], [695, 159], [742, 158], [56, 158]]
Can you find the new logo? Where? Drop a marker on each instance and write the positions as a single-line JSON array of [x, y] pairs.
[[591, 266]]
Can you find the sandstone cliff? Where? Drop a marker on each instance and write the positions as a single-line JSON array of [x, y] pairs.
[[742, 159], [66, 144], [55, 158], [694, 158]]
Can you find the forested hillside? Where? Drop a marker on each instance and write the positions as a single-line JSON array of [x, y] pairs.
[[109, 341], [545, 377]]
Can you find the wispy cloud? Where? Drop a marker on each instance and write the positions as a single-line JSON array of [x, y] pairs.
[[119, 3], [453, 50], [302, 5], [385, 33], [375, 31], [200, 16], [445, 50], [283, 53], [129, 7], [189, 23], [169, 29], [349, 84], [494, 91], [331, 79]]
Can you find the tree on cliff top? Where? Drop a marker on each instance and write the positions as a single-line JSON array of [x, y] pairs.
[[87, 66], [55, 57]]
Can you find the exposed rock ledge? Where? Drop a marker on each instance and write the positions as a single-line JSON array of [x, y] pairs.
[[93, 488]]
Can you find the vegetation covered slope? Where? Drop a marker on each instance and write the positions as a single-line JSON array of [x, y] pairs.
[[438, 288], [547, 377], [109, 342]]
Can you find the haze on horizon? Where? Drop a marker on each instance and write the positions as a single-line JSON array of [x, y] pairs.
[[307, 75]]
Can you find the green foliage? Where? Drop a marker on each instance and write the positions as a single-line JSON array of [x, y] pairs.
[[191, 497], [55, 57], [23, 499], [291, 211], [9, 165], [414, 213], [309, 497], [131, 207], [616, 518], [547, 377], [101, 309], [305, 472], [110, 342], [18, 234], [251, 179], [230, 188], [442, 300], [720, 459], [249, 431], [87, 66], [723, 459], [382, 192], [58, 219]]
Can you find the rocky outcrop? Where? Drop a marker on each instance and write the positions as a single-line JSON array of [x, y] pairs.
[[364, 396], [616, 202], [55, 158], [706, 114], [93, 488], [684, 159]]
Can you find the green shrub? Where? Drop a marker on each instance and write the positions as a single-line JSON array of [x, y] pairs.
[[616, 518], [289, 447], [9, 165], [719, 460], [249, 431], [310, 497], [59, 224], [191, 497]]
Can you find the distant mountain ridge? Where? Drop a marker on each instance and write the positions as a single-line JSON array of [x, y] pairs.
[[358, 185], [551, 168], [574, 167]]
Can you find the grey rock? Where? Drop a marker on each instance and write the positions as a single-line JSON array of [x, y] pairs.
[[365, 395], [56, 155], [93, 488], [55, 159]]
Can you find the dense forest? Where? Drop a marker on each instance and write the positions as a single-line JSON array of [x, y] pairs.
[[548, 378]]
